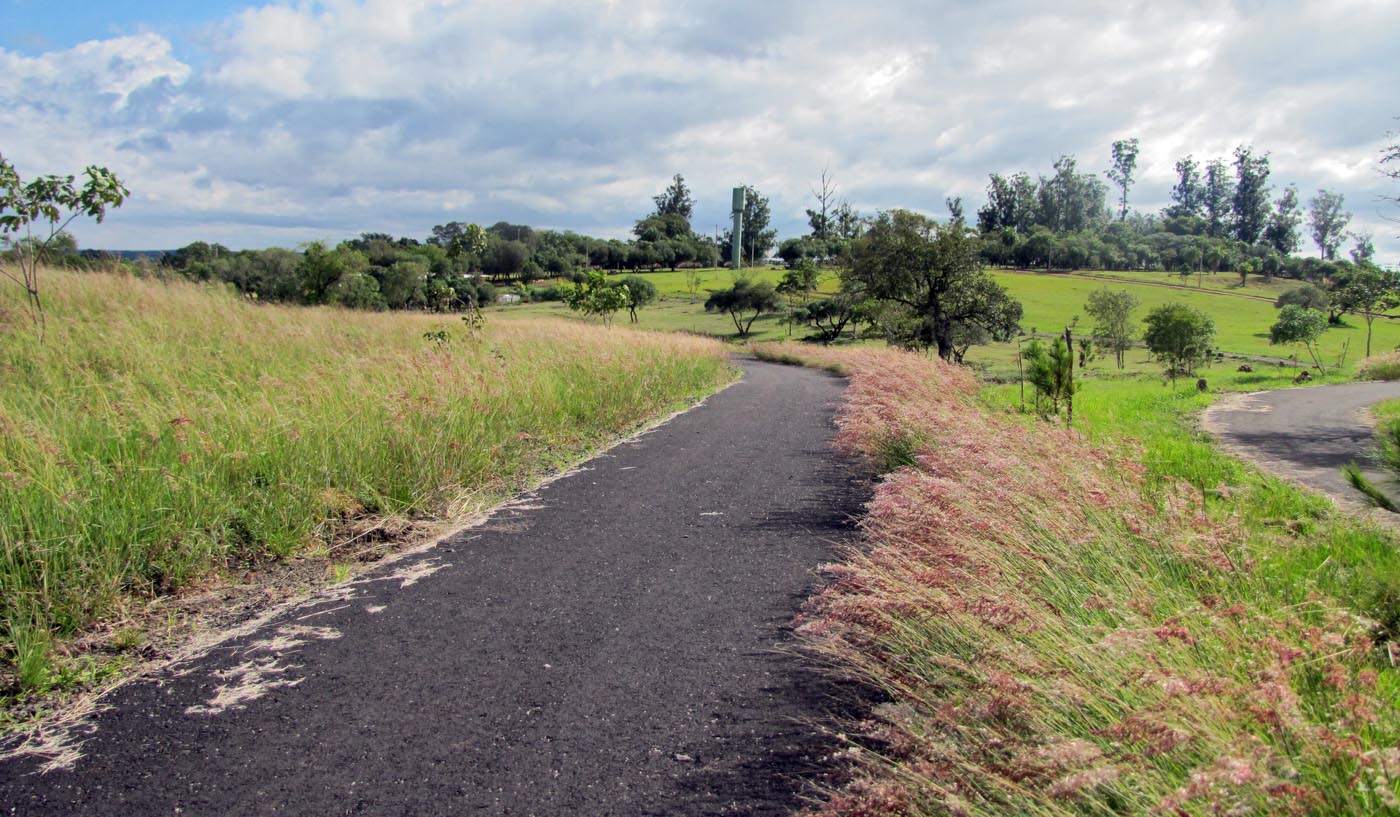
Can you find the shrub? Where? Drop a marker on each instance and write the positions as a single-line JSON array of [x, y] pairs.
[[1380, 367]]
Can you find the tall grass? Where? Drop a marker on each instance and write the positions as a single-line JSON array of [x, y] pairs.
[[1070, 627], [163, 431]]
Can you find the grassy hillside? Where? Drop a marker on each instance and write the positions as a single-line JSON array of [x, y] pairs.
[[1050, 300], [1242, 324], [1133, 624], [161, 432]]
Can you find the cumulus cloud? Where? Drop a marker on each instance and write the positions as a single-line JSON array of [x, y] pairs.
[[323, 119]]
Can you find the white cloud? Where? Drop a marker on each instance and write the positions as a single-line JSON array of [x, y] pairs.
[[325, 118]]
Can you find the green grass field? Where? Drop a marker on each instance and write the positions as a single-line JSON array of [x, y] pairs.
[[163, 432], [1050, 301], [1242, 325]]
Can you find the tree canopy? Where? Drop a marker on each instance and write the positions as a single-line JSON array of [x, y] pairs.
[[935, 271], [1179, 337], [744, 302]]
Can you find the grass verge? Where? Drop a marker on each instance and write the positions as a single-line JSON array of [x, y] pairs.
[[1119, 622], [164, 433]]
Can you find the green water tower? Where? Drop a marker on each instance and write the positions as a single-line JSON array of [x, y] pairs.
[[736, 258]]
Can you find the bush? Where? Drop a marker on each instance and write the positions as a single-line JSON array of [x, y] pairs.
[[1380, 367], [556, 292]]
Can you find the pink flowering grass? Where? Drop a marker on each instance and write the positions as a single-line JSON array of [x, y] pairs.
[[1062, 633]]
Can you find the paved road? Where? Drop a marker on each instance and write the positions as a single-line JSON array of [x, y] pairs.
[[613, 646], [1306, 434]]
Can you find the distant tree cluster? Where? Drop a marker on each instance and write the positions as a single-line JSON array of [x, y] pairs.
[[1223, 217]]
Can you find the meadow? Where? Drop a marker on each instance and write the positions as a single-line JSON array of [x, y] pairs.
[[1051, 301], [162, 435]]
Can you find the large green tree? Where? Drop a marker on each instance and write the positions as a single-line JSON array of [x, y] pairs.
[[935, 271], [1179, 337], [1368, 291], [1249, 207], [1125, 154], [1219, 192], [1188, 195], [1282, 231], [675, 199], [1070, 201], [1327, 222]]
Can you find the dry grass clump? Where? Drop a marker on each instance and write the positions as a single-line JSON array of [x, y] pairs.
[[163, 431], [1061, 635], [1380, 367]]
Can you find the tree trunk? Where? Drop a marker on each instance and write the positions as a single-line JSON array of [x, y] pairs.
[[1069, 396], [943, 336]]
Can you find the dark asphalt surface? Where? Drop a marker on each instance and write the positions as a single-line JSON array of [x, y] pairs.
[[612, 646], [1307, 434]]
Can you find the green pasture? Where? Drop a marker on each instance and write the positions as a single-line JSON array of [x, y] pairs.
[[1051, 302]]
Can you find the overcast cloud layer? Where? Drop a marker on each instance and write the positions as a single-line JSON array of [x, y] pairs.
[[284, 123]]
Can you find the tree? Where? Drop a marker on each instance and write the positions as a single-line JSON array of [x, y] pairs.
[[1282, 232], [848, 222], [830, 316], [594, 296], [1179, 337], [1125, 153], [472, 240], [640, 292], [443, 235], [321, 269], [744, 297], [34, 214], [1364, 252], [1298, 324], [1369, 291], [820, 219], [757, 238], [1051, 372], [1306, 296], [1390, 162], [801, 280], [1249, 208], [403, 283], [1069, 201], [1113, 319], [693, 280], [1327, 222], [675, 200], [1000, 211], [955, 210], [1188, 195], [1219, 191], [937, 273], [504, 260]]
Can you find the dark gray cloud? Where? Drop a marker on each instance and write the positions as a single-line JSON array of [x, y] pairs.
[[326, 119]]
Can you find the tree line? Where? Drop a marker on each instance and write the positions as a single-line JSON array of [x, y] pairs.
[[1223, 217]]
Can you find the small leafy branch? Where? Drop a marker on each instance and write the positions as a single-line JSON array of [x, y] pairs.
[[596, 297], [48, 204]]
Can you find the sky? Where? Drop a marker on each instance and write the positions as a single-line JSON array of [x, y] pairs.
[[257, 125]]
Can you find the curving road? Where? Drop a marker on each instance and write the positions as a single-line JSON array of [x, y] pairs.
[[614, 645], [1305, 435]]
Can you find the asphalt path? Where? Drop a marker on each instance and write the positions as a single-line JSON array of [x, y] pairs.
[[1306, 434], [619, 643]]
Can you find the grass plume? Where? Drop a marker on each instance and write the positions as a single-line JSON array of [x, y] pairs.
[[1067, 627]]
